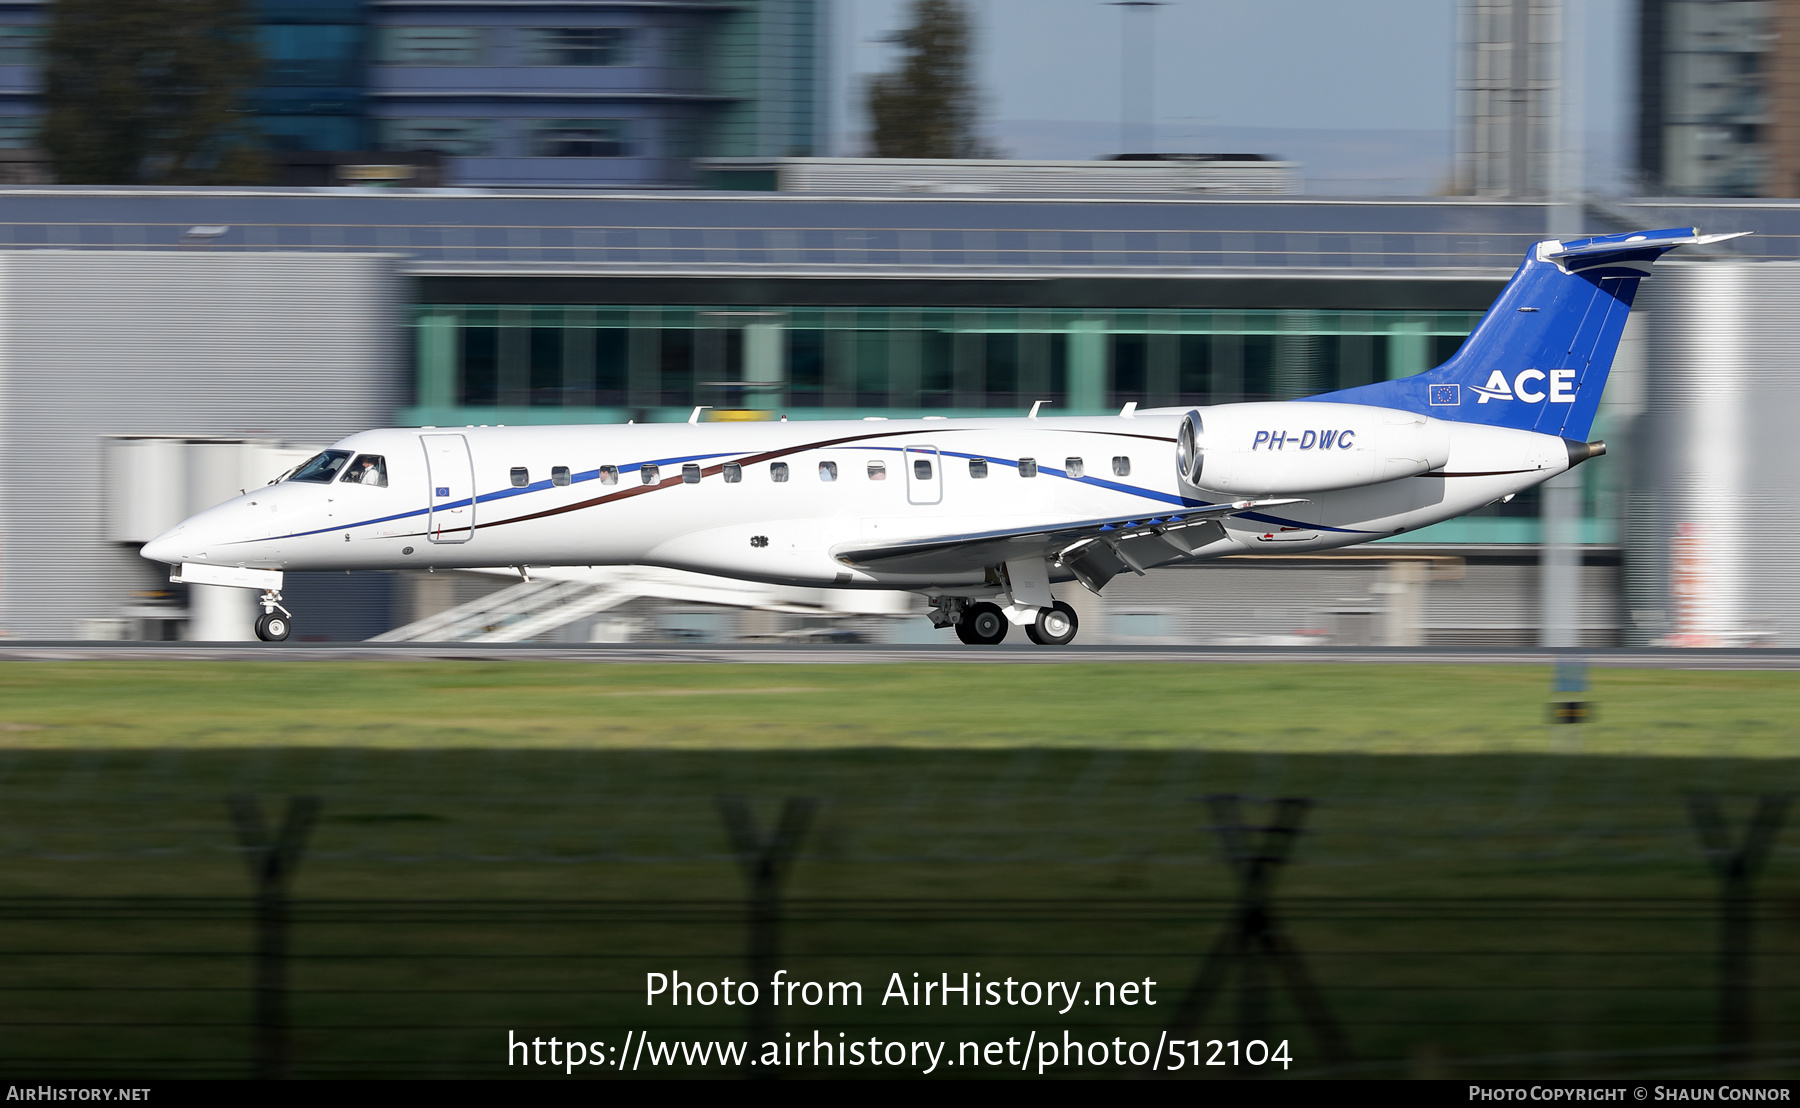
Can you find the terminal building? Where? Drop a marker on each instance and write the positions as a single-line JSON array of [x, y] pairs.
[[151, 338]]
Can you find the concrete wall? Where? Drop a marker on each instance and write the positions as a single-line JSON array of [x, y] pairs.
[[287, 347], [1713, 526]]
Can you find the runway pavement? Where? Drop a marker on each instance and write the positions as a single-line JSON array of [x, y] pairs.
[[864, 654]]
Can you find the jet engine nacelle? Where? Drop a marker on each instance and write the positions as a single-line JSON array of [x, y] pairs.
[[1298, 448]]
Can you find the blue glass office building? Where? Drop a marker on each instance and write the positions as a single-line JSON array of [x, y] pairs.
[[313, 95], [515, 93]]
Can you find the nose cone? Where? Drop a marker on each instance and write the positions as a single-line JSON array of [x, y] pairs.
[[228, 532], [167, 547]]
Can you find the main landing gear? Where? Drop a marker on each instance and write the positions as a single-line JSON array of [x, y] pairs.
[[982, 625], [1055, 626], [269, 626], [985, 624]]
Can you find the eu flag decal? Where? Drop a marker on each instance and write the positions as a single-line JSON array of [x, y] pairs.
[[443, 490], [1446, 396]]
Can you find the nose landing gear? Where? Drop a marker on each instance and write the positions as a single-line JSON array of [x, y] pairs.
[[269, 626]]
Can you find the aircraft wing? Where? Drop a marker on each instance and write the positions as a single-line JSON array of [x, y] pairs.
[[1061, 541]]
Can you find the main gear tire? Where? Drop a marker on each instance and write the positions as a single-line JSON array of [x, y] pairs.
[[982, 625], [1055, 626]]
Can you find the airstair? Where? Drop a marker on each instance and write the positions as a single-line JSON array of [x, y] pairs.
[[558, 597]]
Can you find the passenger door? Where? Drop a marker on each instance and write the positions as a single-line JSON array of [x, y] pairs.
[[450, 505], [924, 475]]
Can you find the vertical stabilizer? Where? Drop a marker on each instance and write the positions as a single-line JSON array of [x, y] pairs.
[[1538, 360]]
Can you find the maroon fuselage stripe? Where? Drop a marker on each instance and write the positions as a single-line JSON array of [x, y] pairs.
[[753, 459]]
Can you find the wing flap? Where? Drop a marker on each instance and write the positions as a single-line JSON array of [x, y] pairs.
[[1063, 541]]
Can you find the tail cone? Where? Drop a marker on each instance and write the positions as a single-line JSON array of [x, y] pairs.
[[1581, 451]]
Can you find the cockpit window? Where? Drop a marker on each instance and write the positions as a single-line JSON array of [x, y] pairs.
[[321, 468], [367, 469]]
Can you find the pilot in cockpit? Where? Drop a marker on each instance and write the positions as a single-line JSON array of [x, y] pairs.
[[370, 470]]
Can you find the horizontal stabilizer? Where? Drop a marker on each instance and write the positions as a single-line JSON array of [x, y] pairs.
[[957, 553], [1627, 243]]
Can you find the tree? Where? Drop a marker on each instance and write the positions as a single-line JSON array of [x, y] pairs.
[[151, 92], [927, 109]]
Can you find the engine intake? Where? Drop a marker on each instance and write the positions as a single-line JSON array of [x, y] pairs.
[[1301, 447]]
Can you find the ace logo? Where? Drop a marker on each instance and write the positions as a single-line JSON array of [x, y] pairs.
[[1527, 386]]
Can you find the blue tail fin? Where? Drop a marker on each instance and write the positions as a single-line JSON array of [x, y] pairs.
[[1539, 358]]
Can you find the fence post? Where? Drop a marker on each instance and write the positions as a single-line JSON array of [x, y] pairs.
[[1736, 870], [766, 866], [1253, 942], [272, 862]]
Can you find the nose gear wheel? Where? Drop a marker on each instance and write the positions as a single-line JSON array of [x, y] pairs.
[[276, 622]]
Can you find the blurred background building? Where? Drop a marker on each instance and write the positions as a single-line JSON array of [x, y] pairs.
[[643, 221], [507, 93], [1509, 94], [1719, 87]]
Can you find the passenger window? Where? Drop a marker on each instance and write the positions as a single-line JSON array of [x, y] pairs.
[[778, 472], [733, 472], [978, 468], [650, 474], [921, 469], [690, 474], [321, 468], [877, 471], [559, 475], [1075, 466], [1027, 467], [368, 469], [1121, 466], [520, 477], [827, 471], [609, 475]]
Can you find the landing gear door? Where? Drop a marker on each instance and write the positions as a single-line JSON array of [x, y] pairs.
[[924, 475], [450, 506]]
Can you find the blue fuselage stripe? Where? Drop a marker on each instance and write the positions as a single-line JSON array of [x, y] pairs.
[[636, 467]]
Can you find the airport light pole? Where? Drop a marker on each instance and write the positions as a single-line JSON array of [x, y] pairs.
[[1144, 71], [1560, 558]]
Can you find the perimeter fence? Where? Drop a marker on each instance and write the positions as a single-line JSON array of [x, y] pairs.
[[1476, 917]]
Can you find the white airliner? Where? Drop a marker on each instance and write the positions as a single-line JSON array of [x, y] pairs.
[[983, 516]]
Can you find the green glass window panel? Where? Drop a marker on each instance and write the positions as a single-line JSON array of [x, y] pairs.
[[1444, 347], [1057, 368], [479, 386], [1129, 357], [806, 367], [677, 366], [612, 366], [1193, 382], [1001, 358], [1258, 367], [937, 368], [871, 369], [545, 366]]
